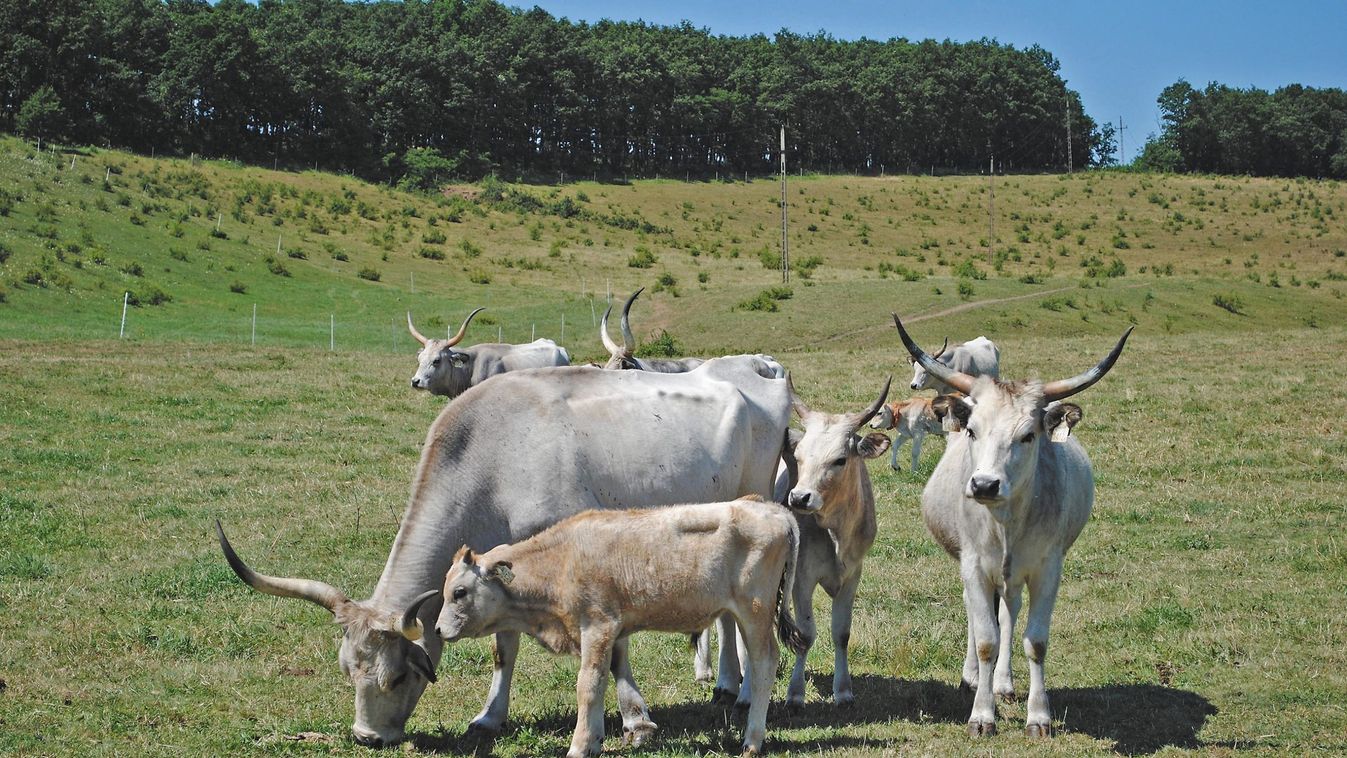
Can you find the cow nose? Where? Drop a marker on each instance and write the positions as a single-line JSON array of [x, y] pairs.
[[916, 386], [439, 632], [415, 383], [801, 500], [985, 486], [368, 740]]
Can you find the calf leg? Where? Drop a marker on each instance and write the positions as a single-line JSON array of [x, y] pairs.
[[596, 654], [843, 602], [893, 452], [636, 724], [804, 620], [761, 653], [701, 657], [1004, 682], [916, 450], [1042, 597], [727, 682], [504, 650], [980, 600]]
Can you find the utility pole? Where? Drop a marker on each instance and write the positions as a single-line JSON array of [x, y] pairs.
[[785, 240], [1122, 150], [991, 197], [1070, 166]]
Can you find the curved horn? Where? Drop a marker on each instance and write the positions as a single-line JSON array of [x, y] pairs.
[[795, 402], [942, 349], [629, 342], [454, 340], [870, 412], [305, 589], [411, 625], [419, 336], [608, 344], [1064, 388], [956, 379]]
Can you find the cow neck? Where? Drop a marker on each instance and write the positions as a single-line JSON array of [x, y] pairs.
[[851, 520], [535, 593]]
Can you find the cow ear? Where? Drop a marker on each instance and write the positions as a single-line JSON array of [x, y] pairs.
[[961, 410], [1060, 418], [872, 445], [940, 407], [793, 437], [465, 556], [501, 571], [459, 359]]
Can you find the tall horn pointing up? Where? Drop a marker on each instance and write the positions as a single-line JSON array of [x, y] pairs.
[[629, 342], [462, 330], [870, 412], [942, 349], [419, 336], [612, 347], [956, 379], [1064, 388], [305, 589], [411, 626]]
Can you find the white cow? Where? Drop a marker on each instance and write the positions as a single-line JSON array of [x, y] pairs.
[[978, 357], [1007, 500], [443, 369], [584, 585]]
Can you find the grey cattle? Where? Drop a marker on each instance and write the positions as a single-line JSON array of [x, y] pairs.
[[515, 455], [443, 369], [584, 585], [836, 510], [1007, 500], [977, 357], [623, 356]]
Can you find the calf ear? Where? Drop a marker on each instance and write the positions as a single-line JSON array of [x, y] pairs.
[[465, 556], [501, 571], [872, 445]]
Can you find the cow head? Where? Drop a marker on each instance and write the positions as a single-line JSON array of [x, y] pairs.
[[921, 378], [887, 418], [620, 357], [1004, 422], [475, 596], [441, 369], [829, 454], [377, 653]]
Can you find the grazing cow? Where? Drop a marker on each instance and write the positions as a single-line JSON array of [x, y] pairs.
[[585, 584], [623, 356], [519, 453], [836, 510], [1006, 501], [444, 370], [979, 357], [912, 419]]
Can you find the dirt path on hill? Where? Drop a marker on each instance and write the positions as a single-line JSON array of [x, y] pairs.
[[957, 309]]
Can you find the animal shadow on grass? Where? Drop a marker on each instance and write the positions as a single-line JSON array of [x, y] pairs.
[[1139, 718]]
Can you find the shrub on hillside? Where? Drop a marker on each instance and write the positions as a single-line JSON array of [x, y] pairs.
[[369, 274], [1228, 301], [643, 258], [661, 345], [238, 287], [276, 267]]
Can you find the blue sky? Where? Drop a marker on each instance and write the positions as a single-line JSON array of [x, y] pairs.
[[1118, 56]]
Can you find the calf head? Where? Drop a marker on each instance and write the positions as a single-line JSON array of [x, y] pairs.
[[476, 596], [887, 418], [830, 455], [441, 369], [377, 653], [921, 378], [1004, 422]]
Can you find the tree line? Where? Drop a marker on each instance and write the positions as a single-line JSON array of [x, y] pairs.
[[1294, 131], [422, 91]]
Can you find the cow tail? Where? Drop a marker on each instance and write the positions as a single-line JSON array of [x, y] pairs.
[[786, 630]]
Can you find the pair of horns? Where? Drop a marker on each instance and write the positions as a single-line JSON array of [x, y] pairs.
[[858, 419], [1058, 390], [454, 340], [316, 592], [628, 342]]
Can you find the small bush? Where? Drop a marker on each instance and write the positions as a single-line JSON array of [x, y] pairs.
[[276, 267], [238, 287], [5, 252], [1228, 301], [369, 274], [642, 259], [479, 277], [177, 254], [434, 237], [469, 250], [431, 253], [766, 300], [297, 254], [218, 234], [133, 269], [965, 288], [662, 345], [667, 283], [967, 270]]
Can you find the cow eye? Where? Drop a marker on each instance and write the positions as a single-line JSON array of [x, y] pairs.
[[435, 363], [460, 593], [397, 682], [1026, 439], [840, 461]]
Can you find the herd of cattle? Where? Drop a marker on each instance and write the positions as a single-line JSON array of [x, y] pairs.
[[533, 512]]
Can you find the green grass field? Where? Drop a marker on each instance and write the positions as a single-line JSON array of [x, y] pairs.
[[1200, 609]]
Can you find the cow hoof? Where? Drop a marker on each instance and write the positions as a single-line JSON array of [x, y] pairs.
[[741, 705], [749, 750], [638, 735], [844, 700], [1038, 731], [968, 686], [484, 728], [981, 728], [721, 696], [794, 705], [1006, 697], [707, 677]]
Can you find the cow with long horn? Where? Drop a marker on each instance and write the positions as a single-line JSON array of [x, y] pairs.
[[976, 357], [1007, 499], [624, 356], [517, 454], [445, 369]]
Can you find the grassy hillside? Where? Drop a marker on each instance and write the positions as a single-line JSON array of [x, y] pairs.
[[1200, 608]]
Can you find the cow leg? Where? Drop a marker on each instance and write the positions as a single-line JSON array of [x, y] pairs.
[[1003, 681], [701, 657], [893, 452], [980, 599], [843, 602], [970, 660], [727, 683], [916, 450], [1042, 597], [636, 724], [504, 650], [761, 651], [596, 656], [804, 620]]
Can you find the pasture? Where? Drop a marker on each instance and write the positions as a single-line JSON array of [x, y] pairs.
[[1199, 610]]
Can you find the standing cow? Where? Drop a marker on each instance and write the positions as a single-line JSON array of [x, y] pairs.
[[836, 508], [583, 586], [912, 419], [1007, 500], [624, 357], [519, 453], [978, 357], [443, 369]]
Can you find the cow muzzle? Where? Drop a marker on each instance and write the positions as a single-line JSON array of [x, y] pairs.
[[372, 739], [806, 501], [984, 488]]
